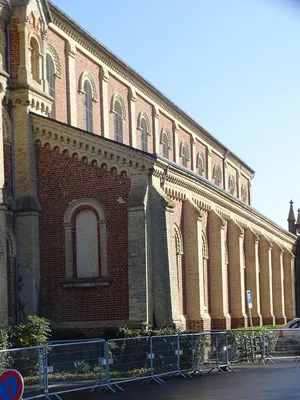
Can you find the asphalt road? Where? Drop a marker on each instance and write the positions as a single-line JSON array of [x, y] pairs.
[[258, 382]]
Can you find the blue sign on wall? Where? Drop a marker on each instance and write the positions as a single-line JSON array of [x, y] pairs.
[[249, 299]]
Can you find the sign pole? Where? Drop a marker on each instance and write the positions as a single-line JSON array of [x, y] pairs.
[[249, 301]]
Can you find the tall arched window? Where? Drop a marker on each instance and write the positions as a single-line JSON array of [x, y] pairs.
[[35, 59], [88, 107], [144, 135], [118, 121], [87, 244], [85, 239], [217, 176], [51, 76]]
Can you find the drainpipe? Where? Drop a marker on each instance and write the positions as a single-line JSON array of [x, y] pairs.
[[13, 175], [224, 168]]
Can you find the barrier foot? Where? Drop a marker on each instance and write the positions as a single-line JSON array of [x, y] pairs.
[[156, 379], [199, 372], [269, 360]]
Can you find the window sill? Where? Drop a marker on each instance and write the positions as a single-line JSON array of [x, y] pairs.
[[86, 282]]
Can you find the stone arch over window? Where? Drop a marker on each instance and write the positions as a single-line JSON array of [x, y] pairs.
[[184, 153], [178, 240], [85, 229], [144, 128], [165, 140], [6, 125], [244, 193], [217, 175], [57, 66], [86, 76], [200, 164], [231, 184], [35, 59], [117, 98], [118, 108]]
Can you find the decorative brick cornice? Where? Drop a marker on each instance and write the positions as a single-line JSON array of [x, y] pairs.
[[207, 197], [89, 148]]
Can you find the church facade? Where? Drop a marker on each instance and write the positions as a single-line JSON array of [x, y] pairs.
[[116, 207]]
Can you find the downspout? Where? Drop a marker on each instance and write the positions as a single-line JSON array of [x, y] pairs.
[[13, 174]]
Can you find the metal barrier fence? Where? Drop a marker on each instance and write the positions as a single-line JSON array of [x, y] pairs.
[[281, 344], [245, 345], [52, 370], [30, 362]]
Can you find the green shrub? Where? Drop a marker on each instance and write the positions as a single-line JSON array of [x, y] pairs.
[[33, 332]]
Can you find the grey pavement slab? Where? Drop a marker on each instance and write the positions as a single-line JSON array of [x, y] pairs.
[[258, 382]]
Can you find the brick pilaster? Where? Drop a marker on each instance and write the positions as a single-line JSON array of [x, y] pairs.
[[266, 289], [236, 275], [278, 284], [220, 318], [289, 284], [252, 274]]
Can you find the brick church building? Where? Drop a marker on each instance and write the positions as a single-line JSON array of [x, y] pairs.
[[116, 207]]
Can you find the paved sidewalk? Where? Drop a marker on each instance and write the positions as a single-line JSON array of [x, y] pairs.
[[255, 382]]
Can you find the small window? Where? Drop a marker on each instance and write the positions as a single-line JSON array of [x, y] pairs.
[[118, 121], [184, 154], [88, 107], [165, 142], [231, 184], [217, 178], [51, 81], [35, 59], [144, 135], [244, 194], [200, 164]]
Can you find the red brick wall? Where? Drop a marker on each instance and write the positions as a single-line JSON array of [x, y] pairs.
[[166, 122], [14, 48], [144, 106], [61, 179], [61, 84], [115, 86], [82, 63]]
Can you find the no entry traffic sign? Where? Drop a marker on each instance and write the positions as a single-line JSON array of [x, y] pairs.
[[11, 385]]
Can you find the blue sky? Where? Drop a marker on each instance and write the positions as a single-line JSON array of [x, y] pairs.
[[233, 66]]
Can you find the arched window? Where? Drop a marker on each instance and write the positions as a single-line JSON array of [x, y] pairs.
[[244, 193], [231, 184], [118, 121], [184, 154], [35, 59], [200, 164], [217, 176], [85, 239], [144, 135], [165, 142], [51, 76], [87, 244], [88, 107]]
